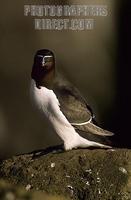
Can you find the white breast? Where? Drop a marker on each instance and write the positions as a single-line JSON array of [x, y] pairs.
[[48, 103]]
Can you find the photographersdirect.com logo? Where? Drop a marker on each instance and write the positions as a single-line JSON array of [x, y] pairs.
[[65, 17]]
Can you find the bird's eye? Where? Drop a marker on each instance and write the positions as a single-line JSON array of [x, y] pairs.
[[38, 59]]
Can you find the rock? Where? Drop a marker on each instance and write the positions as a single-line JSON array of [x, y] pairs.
[[81, 174], [13, 192]]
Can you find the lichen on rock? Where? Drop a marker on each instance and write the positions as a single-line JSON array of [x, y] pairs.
[[78, 174]]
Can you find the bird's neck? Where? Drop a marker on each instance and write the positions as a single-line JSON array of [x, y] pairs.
[[48, 79]]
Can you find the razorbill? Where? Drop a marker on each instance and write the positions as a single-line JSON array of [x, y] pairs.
[[62, 104]]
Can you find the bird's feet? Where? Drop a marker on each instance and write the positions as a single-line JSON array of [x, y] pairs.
[[81, 142]]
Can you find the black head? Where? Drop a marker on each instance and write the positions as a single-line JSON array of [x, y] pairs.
[[44, 64]]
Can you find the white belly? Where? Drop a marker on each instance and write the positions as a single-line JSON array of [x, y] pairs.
[[48, 103]]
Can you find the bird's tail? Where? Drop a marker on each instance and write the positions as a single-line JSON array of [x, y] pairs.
[[92, 128]]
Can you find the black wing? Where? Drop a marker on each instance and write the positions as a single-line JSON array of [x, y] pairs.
[[75, 108], [72, 104]]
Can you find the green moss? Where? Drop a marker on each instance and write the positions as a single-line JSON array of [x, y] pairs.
[[79, 174]]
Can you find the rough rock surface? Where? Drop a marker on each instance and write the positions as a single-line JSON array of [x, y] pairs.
[[78, 174], [14, 192]]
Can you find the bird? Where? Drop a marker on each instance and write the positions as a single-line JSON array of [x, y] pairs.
[[63, 105]]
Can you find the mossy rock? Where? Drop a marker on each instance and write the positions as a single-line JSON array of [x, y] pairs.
[[79, 174]]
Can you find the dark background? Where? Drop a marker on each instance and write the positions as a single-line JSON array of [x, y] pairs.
[[96, 61]]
